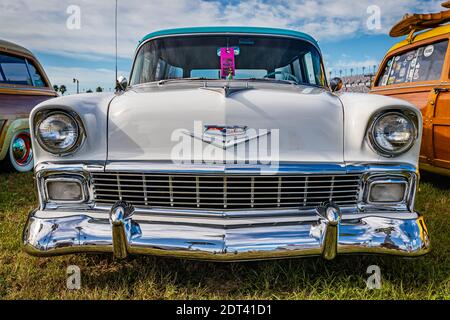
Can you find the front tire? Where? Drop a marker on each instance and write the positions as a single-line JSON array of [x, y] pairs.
[[20, 153]]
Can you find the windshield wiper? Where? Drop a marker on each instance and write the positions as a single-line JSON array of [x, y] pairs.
[[164, 81], [270, 80]]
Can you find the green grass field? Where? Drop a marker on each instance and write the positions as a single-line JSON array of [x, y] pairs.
[[25, 277]]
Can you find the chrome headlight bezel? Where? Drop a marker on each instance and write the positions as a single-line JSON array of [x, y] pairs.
[[70, 179], [387, 181], [408, 177], [42, 116], [407, 115]]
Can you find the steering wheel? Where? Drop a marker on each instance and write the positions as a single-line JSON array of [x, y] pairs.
[[286, 75]]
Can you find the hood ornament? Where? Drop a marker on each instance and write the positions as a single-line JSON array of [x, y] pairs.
[[226, 90], [226, 136]]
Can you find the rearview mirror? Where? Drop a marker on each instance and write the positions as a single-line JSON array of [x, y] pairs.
[[336, 84]]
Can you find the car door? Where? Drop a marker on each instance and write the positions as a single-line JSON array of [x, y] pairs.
[[440, 124]]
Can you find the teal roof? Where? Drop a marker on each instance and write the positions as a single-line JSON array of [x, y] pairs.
[[252, 30]]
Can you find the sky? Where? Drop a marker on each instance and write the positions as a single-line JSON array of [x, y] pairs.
[[75, 38]]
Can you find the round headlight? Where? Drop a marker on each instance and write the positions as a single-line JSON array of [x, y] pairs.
[[58, 133], [393, 134]]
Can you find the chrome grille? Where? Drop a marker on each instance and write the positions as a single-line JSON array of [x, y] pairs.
[[225, 192]]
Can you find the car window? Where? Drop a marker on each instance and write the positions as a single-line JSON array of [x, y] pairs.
[[35, 75], [14, 70], [309, 69], [19, 71], [420, 64]]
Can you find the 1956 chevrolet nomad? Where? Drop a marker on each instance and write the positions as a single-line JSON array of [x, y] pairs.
[[227, 144]]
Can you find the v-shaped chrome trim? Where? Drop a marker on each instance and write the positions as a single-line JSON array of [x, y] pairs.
[[222, 142]]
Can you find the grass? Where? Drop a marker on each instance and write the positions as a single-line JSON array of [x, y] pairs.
[[25, 277]]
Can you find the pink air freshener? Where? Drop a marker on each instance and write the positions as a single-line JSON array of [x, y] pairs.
[[227, 62]]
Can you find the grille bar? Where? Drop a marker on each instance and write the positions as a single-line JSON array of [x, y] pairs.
[[225, 192]]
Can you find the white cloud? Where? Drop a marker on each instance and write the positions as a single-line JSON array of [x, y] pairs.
[[40, 25]]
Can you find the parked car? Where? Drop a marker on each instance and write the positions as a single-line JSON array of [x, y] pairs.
[[153, 169], [417, 70], [23, 85]]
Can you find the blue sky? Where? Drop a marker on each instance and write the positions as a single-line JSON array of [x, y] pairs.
[[47, 28]]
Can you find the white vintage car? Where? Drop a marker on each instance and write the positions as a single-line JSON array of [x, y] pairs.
[[227, 144]]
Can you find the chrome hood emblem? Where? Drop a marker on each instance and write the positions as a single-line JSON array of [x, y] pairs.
[[226, 136], [225, 131]]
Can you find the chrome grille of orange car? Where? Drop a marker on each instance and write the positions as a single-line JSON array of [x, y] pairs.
[[225, 192]]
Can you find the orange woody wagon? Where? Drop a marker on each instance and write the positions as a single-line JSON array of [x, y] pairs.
[[417, 69]]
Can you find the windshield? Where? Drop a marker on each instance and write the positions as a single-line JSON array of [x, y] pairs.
[[228, 57]]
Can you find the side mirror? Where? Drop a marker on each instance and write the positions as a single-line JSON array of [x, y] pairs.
[[336, 84], [122, 83]]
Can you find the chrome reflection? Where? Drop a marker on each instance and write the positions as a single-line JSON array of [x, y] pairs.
[[331, 215], [120, 218], [305, 237]]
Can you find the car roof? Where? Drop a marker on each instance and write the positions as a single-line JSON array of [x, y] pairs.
[[438, 31], [9, 46], [232, 29]]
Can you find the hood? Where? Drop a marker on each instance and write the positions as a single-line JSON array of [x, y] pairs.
[[156, 123]]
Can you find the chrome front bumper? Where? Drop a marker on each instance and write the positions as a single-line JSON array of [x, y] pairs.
[[225, 238]]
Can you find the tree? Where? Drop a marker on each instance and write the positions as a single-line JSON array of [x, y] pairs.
[[56, 88], [62, 89], [99, 89]]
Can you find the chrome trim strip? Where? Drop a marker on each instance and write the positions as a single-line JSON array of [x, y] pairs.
[[47, 90], [159, 215], [332, 188], [144, 183], [251, 169], [225, 192], [306, 191], [376, 89], [232, 169], [279, 192], [235, 214], [171, 191], [197, 191], [119, 187]]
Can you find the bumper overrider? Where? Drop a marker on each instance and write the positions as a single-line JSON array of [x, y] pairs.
[[328, 230]]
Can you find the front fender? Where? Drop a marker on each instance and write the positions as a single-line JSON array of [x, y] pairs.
[[93, 112], [359, 110]]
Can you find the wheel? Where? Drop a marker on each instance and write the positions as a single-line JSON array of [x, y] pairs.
[[20, 154]]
